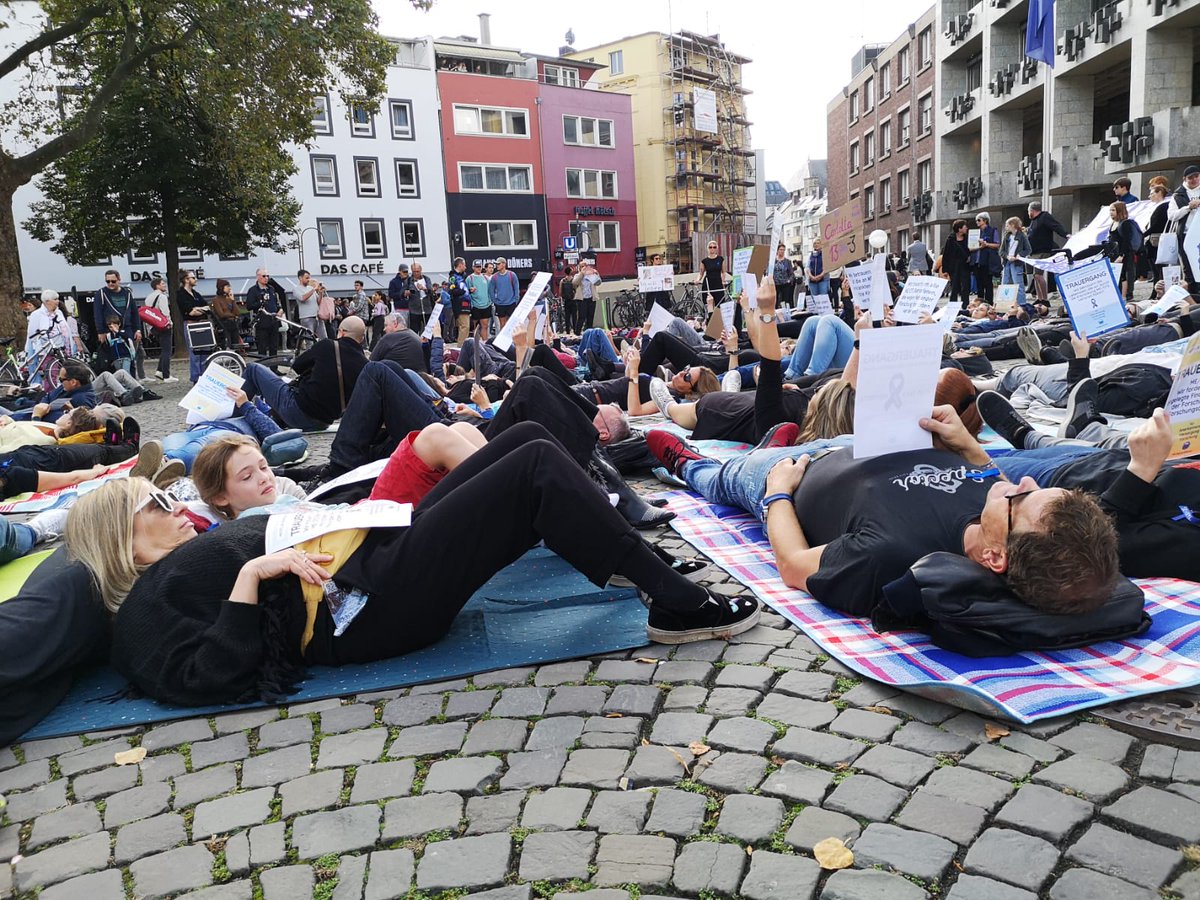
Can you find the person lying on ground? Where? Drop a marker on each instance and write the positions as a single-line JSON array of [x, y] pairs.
[[214, 618], [664, 347], [14, 435], [280, 446], [74, 389]]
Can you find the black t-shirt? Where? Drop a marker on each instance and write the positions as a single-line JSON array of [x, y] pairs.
[[878, 516], [615, 390], [712, 272], [17, 480], [403, 347]]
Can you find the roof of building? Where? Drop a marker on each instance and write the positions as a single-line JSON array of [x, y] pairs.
[[470, 50]]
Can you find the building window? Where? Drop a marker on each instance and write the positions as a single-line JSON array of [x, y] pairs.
[[366, 176], [138, 255], [868, 95], [412, 237], [885, 139], [593, 183], [374, 244], [602, 236], [854, 106], [491, 121], [974, 75], [869, 149], [902, 67], [925, 114], [869, 202], [902, 183], [587, 132], [407, 182], [902, 239], [885, 195], [400, 115], [854, 157], [903, 125], [616, 62], [324, 176], [362, 122], [322, 121], [925, 176], [885, 81], [332, 240], [925, 48], [496, 235], [562, 75], [495, 179]]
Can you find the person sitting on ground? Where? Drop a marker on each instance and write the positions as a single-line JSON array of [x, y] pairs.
[[74, 390], [327, 372], [214, 618], [400, 345]]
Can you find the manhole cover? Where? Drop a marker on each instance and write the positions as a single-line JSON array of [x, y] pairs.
[[1169, 718]]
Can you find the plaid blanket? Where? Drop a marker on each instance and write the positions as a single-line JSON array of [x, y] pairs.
[[1025, 687], [64, 496]]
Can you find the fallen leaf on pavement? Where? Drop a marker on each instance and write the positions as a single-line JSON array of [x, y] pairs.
[[882, 710], [831, 853], [994, 732], [130, 757], [615, 716], [698, 749]]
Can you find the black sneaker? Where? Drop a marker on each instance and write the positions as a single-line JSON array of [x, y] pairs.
[[693, 568], [997, 412], [131, 432], [1081, 409], [148, 394], [1030, 344], [718, 617]]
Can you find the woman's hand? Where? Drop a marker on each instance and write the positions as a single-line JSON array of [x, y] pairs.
[[862, 323], [633, 359], [463, 410], [1149, 446], [785, 476], [238, 396], [293, 561], [480, 397], [730, 339], [926, 319], [766, 296], [1079, 343]]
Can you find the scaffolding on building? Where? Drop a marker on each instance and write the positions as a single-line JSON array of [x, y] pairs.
[[711, 176]]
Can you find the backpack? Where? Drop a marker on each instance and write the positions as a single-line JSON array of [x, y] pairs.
[[1136, 238]]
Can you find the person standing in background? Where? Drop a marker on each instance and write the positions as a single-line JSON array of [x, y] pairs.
[[481, 302], [985, 261], [587, 279], [504, 291], [784, 276], [566, 290]]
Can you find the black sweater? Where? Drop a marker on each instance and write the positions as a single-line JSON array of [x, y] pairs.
[[317, 392], [179, 639]]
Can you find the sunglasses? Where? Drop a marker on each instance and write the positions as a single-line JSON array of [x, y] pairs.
[[1013, 497], [158, 498], [111, 281], [687, 375]]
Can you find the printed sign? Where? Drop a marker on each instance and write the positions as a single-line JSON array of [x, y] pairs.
[[897, 375], [1093, 300], [1172, 297], [1172, 275], [310, 520], [841, 232], [704, 106], [434, 318], [919, 297], [973, 238], [1006, 298], [656, 278], [504, 339], [1183, 403], [209, 399]]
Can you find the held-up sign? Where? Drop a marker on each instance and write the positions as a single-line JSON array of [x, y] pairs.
[[841, 231], [1172, 275], [1093, 300], [1183, 403], [504, 339], [434, 318], [656, 278], [919, 297], [897, 376], [1174, 296], [1006, 298], [747, 259]]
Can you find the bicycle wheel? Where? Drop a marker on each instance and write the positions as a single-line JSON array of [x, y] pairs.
[[227, 359], [57, 363], [688, 308], [10, 373], [626, 314]]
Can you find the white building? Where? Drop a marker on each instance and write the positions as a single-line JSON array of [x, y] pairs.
[[371, 189]]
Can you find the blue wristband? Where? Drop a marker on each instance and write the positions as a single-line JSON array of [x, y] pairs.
[[771, 498]]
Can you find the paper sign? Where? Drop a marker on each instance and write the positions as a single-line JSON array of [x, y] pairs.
[[1172, 297], [1093, 300], [1183, 403], [801, 300], [704, 110], [740, 263], [312, 520], [1006, 298], [947, 315], [776, 234], [504, 339], [841, 232], [897, 376], [820, 304], [750, 288], [727, 309], [656, 278], [859, 278], [660, 320], [881, 291], [1172, 275], [209, 397], [747, 259], [919, 297], [368, 472], [973, 238], [1191, 242], [434, 317]]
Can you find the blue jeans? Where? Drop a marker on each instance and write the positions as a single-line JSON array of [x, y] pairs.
[[825, 342], [185, 445], [420, 386], [596, 340], [1041, 464], [742, 481], [278, 393], [383, 397], [16, 540]]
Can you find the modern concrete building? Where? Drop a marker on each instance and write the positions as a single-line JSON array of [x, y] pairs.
[[695, 165], [882, 133]]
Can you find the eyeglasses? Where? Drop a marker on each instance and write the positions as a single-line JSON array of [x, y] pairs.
[[687, 375], [112, 281], [158, 498], [1013, 497]]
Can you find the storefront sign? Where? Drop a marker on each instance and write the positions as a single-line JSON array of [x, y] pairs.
[[595, 210], [513, 261], [360, 268]]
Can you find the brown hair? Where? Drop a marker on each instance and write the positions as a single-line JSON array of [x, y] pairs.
[[79, 420], [957, 224], [830, 413], [955, 388], [1069, 565], [208, 471], [1160, 181], [705, 383], [1121, 210], [222, 284]]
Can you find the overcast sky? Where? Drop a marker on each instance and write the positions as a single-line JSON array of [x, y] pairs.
[[801, 57]]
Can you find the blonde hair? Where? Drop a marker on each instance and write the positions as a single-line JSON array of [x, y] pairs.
[[208, 469], [1015, 224], [830, 413], [99, 535]]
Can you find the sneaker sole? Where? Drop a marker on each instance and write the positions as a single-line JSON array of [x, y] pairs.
[[1072, 403], [150, 458], [1031, 347], [724, 632]]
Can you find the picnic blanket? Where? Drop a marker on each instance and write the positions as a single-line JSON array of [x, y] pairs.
[[1025, 686], [43, 500], [538, 610]]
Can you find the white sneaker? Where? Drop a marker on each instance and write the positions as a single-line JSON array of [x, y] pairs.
[[732, 382], [661, 394], [170, 379], [157, 376], [50, 524]]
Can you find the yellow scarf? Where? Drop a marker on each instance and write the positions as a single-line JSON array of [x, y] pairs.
[[338, 544]]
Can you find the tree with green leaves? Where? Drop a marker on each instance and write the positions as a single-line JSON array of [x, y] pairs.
[[170, 111]]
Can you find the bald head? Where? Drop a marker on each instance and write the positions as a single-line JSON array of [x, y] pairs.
[[353, 327]]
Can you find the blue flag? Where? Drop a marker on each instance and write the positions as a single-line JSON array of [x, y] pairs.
[[1039, 31]]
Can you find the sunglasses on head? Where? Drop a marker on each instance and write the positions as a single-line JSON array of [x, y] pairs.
[[158, 498]]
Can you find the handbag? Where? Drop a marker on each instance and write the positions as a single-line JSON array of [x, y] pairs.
[[154, 318], [1168, 249], [325, 308]]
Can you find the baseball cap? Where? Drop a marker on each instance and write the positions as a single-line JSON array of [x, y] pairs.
[[1191, 170]]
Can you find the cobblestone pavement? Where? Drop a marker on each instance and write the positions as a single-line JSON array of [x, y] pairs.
[[710, 770]]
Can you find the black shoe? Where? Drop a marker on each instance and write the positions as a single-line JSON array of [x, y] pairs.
[[693, 568], [658, 502], [1051, 356], [148, 394], [112, 433], [1081, 409], [131, 432], [637, 512], [303, 473], [718, 617], [996, 411], [601, 369]]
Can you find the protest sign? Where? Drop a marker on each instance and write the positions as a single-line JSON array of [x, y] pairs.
[[656, 278], [750, 288], [859, 278], [1172, 275], [1183, 403], [305, 521], [881, 289], [727, 310], [776, 234], [897, 375], [209, 398], [434, 318], [1191, 242], [747, 259], [820, 304], [841, 232], [947, 315], [1093, 300], [1172, 297], [1006, 298], [973, 238], [919, 297], [660, 320], [504, 339]]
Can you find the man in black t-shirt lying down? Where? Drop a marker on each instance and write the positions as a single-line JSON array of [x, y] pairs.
[[843, 528]]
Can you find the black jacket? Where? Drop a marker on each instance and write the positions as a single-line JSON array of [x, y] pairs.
[[1042, 230], [318, 393]]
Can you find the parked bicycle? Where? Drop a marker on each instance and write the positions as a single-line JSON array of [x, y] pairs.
[[42, 368], [305, 338]]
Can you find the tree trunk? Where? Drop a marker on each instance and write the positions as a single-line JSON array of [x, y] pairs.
[[170, 224], [12, 285]]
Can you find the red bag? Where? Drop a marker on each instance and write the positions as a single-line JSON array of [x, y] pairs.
[[154, 318]]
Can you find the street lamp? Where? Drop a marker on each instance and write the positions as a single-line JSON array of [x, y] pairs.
[[300, 232]]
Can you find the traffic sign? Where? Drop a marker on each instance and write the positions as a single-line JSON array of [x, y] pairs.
[[569, 242]]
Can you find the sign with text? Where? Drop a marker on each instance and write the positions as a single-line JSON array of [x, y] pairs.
[[897, 375], [1093, 300], [1006, 298], [919, 297], [973, 238], [841, 232], [1183, 403], [504, 339], [747, 259], [1172, 275], [704, 106], [859, 278], [656, 278]]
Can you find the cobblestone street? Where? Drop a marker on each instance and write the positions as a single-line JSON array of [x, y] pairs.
[[707, 770]]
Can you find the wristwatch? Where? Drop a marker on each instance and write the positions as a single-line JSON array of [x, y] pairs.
[[765, 318], [771, 498]]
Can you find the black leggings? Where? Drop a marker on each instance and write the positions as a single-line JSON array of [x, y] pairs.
[[517, 490], [67, 457], [960, 285], [665, 346], [539, 396]]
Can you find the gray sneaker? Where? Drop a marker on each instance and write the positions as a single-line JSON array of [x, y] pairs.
[[732, 382], [1030, 344], [150, 457], [661, 394]]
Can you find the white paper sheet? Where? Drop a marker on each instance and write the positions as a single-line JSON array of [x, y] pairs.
[[727, 310], [313, 520], [920, 296], [820, 304], [1191, 241], [1172, 275], [1092, 298], [368, 472], [897, 376], [1006, 298], [1172, 297], [656, 278], [660, 320], [750, 287], [860, 283], [973, 238], [881, 293], [209, 397], [504, 339], [434, 317], [947, 315]]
